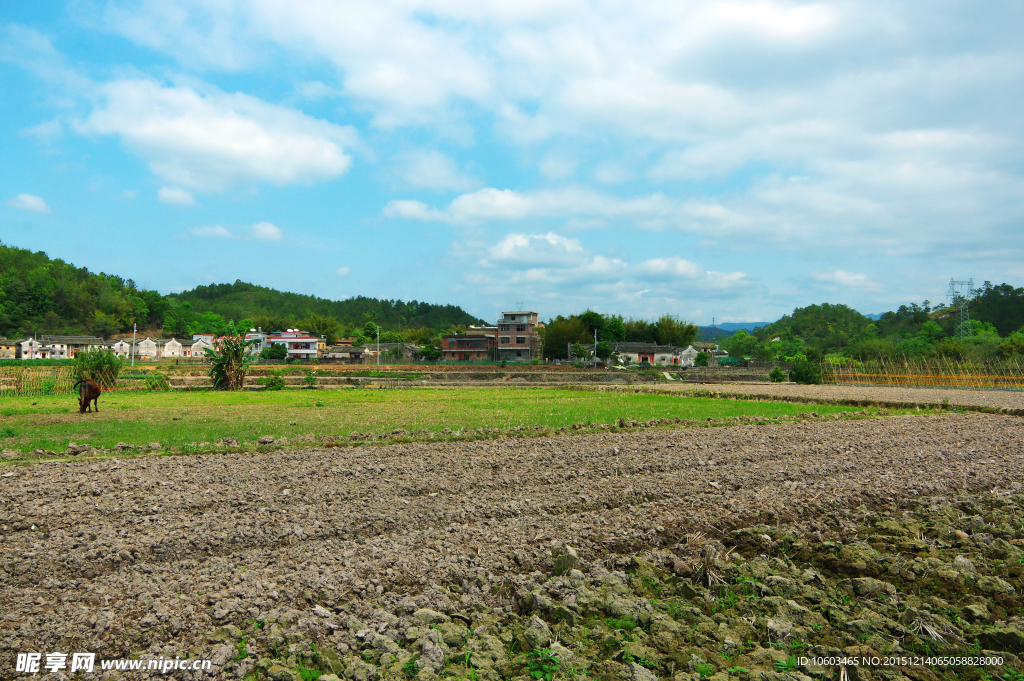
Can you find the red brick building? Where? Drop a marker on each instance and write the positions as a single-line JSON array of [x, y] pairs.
[[458, 347]]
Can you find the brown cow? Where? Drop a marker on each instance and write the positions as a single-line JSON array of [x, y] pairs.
[[87, 392]]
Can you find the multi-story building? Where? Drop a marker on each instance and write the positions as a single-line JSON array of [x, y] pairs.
[[300, 344], [467, 346], [517, 336]]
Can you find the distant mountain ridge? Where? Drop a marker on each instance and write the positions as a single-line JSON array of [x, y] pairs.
[[242, 300]]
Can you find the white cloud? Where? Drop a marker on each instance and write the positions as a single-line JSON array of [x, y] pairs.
[[265, 231], [670, 268], [212, 231], [491, 204], [412, 210], [535, 250], [432, 169], [843, 279], [29, 202], [129, 194], [175, 196], [211, 140], [343, 271], [48, 131]]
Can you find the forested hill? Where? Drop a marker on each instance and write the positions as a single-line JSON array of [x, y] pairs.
[[249, 301], [42, 295], [914, 330]]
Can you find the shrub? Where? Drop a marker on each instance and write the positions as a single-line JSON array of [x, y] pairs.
[[309, 380], [99, 366], [702, 359], [157, 381], [776, 375], [275, 351], [805, 372], [275, 381], [231, 357]]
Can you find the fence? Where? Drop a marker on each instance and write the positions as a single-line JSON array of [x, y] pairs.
[[940, 372], [60, 380]]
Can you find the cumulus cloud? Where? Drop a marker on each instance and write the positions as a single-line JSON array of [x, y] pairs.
[[175, 196], [29, 202], [265, 231], [558, 269], [535, 250], [211, 231], [343, 271], [212, 140]]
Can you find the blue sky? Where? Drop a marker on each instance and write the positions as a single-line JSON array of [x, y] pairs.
[[726, 159]]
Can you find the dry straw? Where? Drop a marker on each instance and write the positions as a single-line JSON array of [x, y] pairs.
[[938, 372]]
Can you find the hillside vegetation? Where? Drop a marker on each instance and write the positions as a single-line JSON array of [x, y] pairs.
[[834, 332], [43, 295]]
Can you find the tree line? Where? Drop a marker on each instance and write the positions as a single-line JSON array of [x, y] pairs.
[[43, 295], [836, 333], [562, 332]]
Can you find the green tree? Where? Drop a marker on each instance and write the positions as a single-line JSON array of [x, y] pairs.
[[614, 330], [320, 325], [603, 350], [580, 352], [104, 325], [562, 332], [673, 331]]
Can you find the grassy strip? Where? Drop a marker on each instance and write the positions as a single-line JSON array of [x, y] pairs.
[[182, 419]]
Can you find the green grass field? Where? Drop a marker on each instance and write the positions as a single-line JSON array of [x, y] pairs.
[[177, 419]]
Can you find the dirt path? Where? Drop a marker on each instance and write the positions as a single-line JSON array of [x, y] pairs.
[[155, 553], [997, 399]]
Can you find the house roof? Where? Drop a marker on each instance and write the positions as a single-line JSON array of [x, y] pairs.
[[72, 339], [643, 347]]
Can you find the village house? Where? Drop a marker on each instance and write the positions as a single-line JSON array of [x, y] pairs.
[[408, 350], [517, 336], [646, 353], [195, 347], [146, 348], [30, 348], [299, 344], [172, 348], [349, 353], [8, 348], [260, 338], [69, 346], [121, 348], [462, 347]]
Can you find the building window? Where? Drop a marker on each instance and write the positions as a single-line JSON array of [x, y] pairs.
[[520, 340], [519, 353], [520, 327], [505, 340], [503, 327]]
